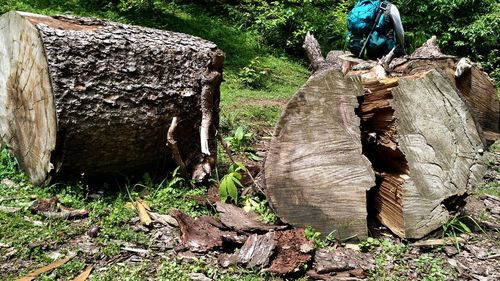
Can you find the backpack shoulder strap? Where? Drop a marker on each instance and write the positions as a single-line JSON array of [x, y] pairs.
[[381, 10]]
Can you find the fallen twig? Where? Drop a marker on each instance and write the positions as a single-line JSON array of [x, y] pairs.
[[438, 242], [226, 147], [9, 210], [135, 250], [85, 274], [34, 274]]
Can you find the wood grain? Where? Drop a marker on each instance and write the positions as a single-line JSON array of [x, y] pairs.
[[315, 173]]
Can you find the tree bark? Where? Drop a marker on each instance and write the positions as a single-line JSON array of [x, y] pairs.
[[81, 95]]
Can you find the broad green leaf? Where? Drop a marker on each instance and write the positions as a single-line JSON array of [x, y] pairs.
[[239, 133], [236, 175], [232, 191], [223, 190], [237, 181]]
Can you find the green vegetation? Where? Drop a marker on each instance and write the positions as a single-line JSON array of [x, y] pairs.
[[469, 28], [230, 182], [391, 262], [315, 236]]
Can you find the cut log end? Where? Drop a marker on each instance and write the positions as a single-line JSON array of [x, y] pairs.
[[424, 147], [28, 117], [315, 174]]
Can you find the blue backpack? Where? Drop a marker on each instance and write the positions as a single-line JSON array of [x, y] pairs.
[[367, 25]]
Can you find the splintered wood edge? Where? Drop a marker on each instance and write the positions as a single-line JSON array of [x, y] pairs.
[[27, 110]]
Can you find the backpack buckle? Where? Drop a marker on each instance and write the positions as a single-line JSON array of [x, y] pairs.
[[383, 5]]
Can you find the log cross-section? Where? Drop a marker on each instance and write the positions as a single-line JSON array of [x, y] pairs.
[[315, 173], [80, 95], [425, 149]]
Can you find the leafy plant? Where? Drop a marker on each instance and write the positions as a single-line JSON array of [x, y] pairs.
[[456, 226], [369, 244], [254, 75], [261, 208], [228, 186], [431, 268], [312, 235], [240, 140]]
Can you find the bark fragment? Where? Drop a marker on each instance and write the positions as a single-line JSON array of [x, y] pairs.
[[236, 218], [289, 256], [205, 233], [257, 250]]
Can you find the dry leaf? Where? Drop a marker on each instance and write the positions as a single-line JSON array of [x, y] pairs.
[[34, 274], [85, 274], [143, 213]]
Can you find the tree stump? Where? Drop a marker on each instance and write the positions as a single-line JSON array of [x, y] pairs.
[[81, 95], [423, 137]]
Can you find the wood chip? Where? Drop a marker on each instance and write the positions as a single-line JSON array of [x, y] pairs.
[[257, 250], [163, 219], [203, 234], [289, 258], [34, 274], [9, 210], [85, 274], [66, 214]]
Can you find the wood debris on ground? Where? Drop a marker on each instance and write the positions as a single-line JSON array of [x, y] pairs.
[[56, 264], [142, 210], [85, 274], [51, 208]]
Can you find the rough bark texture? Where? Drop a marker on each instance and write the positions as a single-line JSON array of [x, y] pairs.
[[292, 252], [315, 173], [111, 89]]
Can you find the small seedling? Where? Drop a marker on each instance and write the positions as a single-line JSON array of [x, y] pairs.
[[230, 182], [261, 208], [312, 235]]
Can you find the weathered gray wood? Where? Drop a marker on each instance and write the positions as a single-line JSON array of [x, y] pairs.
[[315, 173], [257, 250], [442, 146], [81, 95], [236, 218]]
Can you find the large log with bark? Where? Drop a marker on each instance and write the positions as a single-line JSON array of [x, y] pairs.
[[423, 137], [81, 95]]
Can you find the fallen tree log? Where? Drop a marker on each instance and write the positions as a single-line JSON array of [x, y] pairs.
[[418, 131], [80, 95]]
